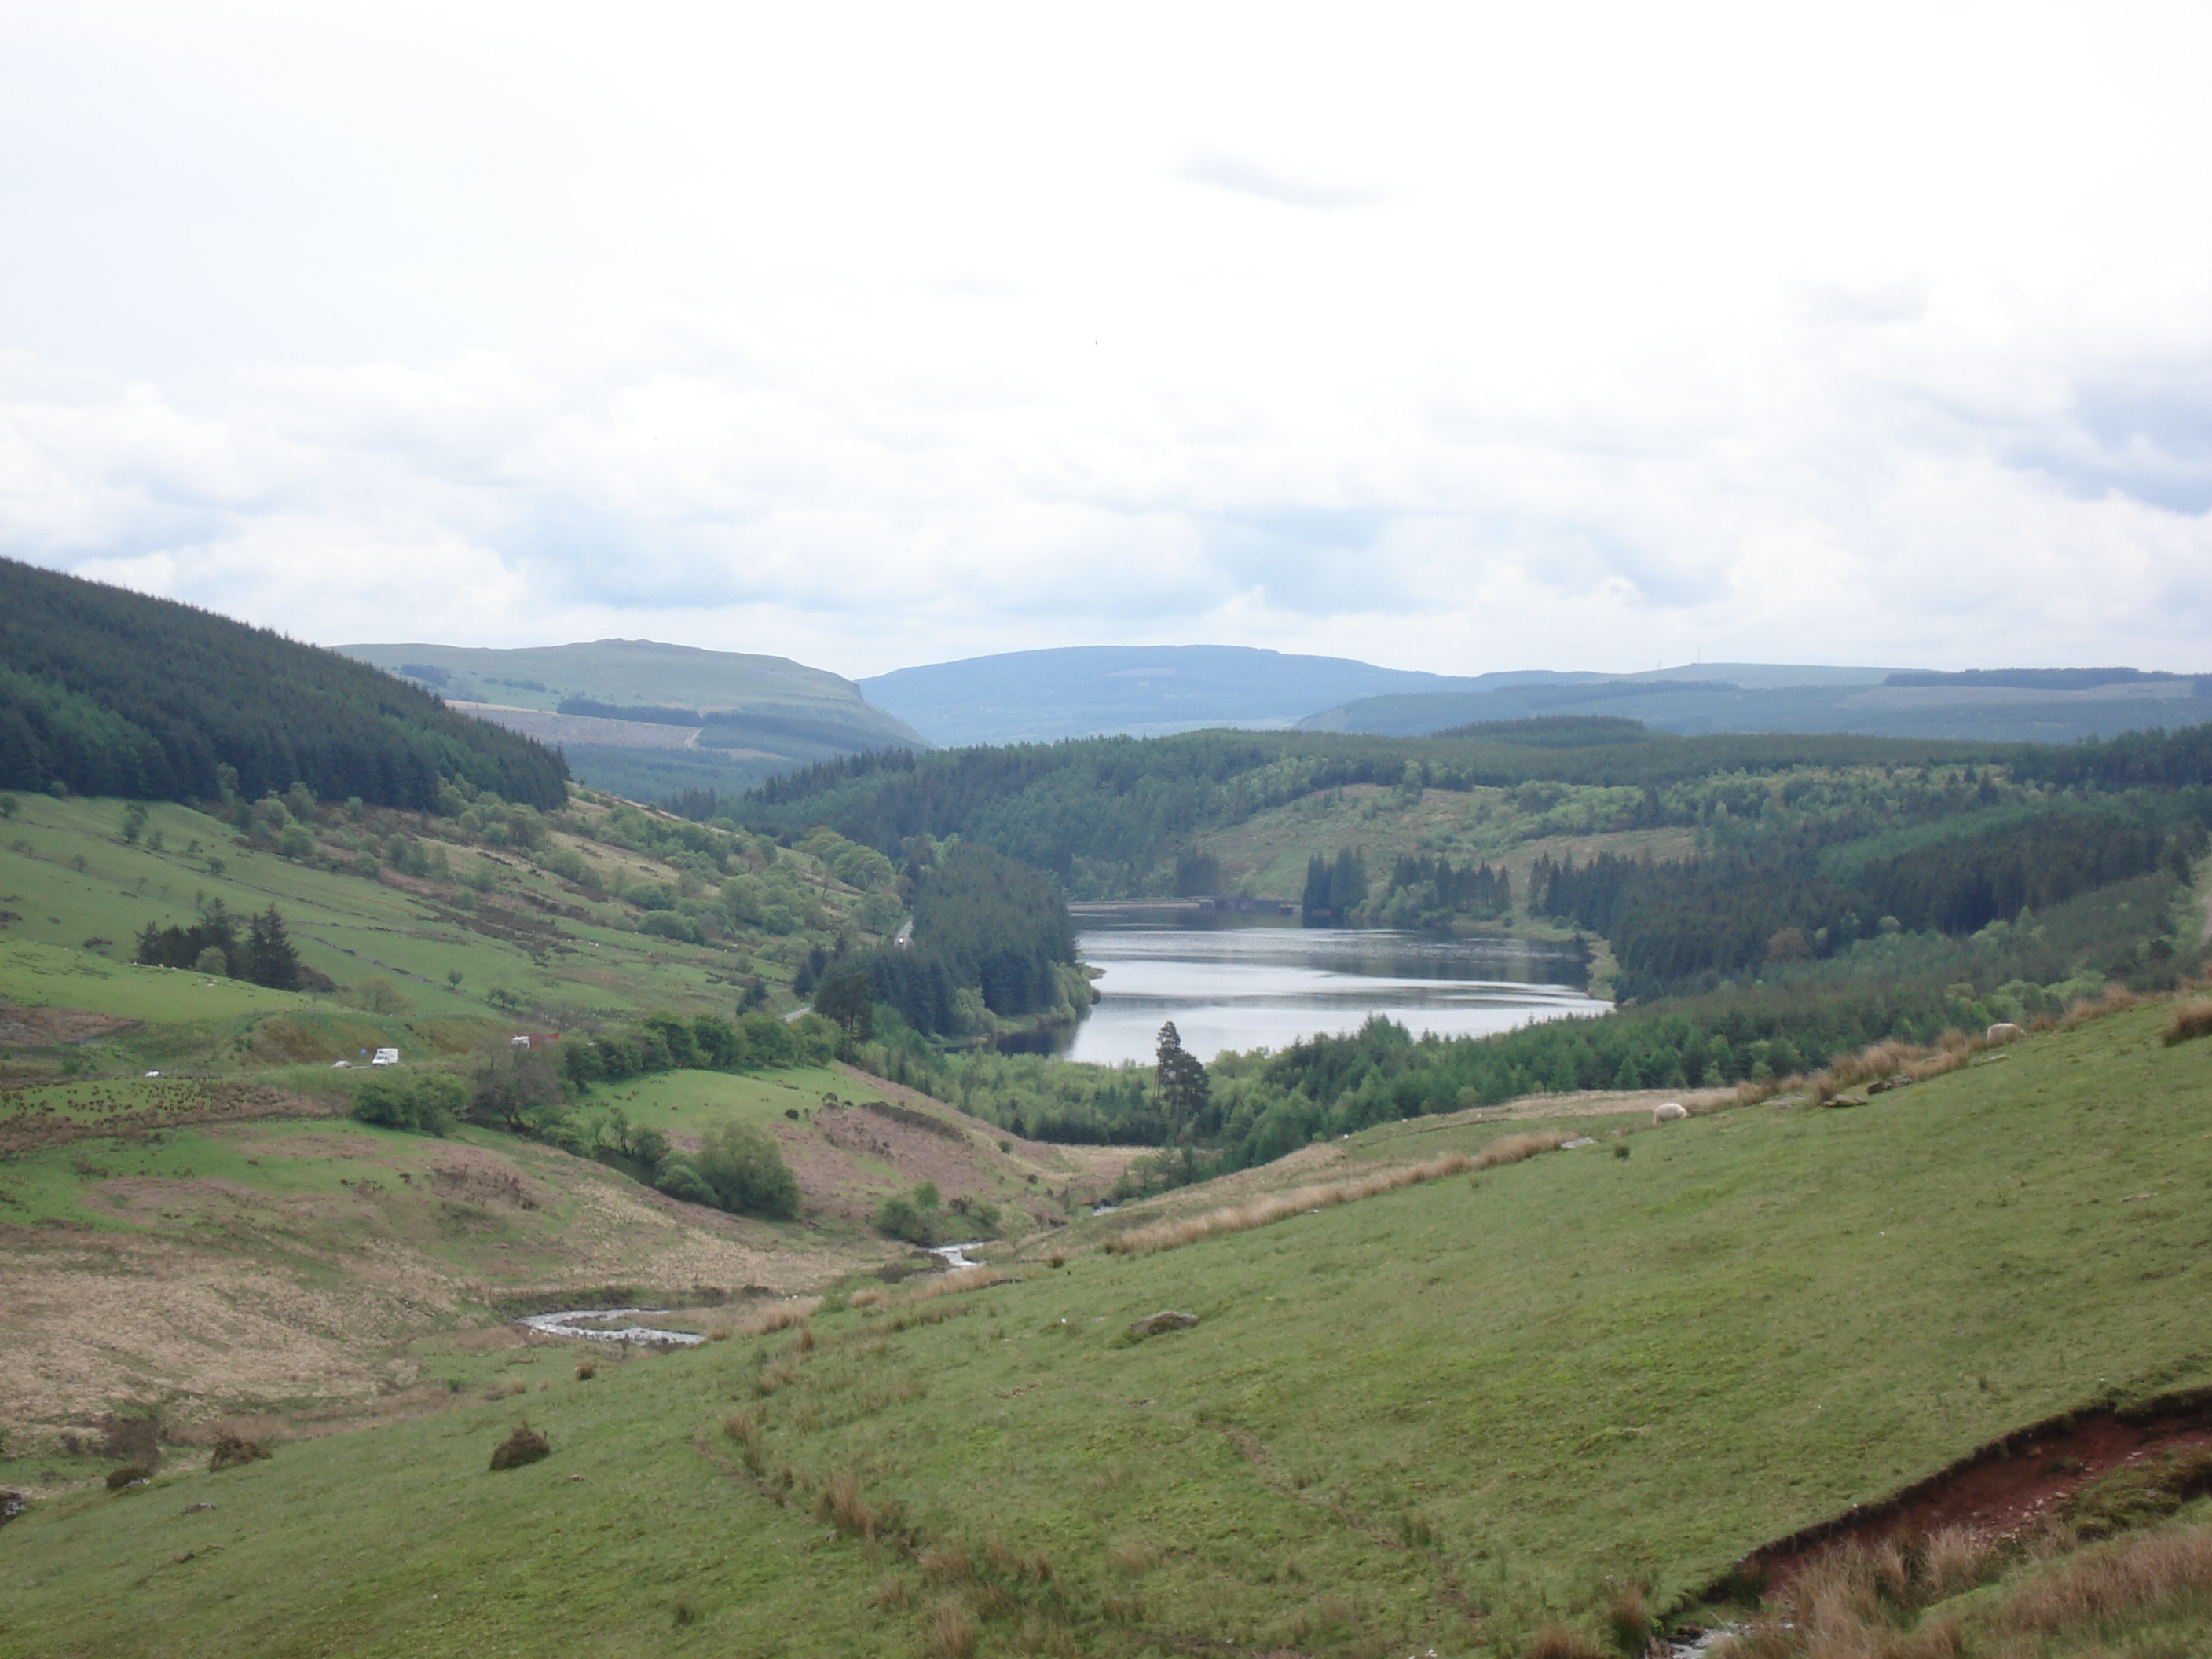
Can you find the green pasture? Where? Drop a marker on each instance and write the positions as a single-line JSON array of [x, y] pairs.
[[323, 1157], [51, 976], [690, 1102], [70, 932], [1428, 1419]]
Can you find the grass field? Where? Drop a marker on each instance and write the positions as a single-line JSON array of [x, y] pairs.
[[74, 896], [1431, 1419]]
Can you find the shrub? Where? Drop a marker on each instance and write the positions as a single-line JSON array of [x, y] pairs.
[[428, 1104], [916, 1217], [233, 1451], [525, 1445], [129, 1475], [744, 1170]]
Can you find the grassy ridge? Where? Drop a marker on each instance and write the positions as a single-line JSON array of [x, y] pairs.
[[1433, 1418]]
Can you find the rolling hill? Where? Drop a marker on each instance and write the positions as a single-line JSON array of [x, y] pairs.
[[105, 692], [1531, 1409], [649, 720], [2048, 706], [1080, 691]]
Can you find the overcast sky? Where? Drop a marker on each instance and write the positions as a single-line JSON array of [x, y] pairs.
[[1451, 336]]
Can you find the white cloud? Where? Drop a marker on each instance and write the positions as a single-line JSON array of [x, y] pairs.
[[876, 337]]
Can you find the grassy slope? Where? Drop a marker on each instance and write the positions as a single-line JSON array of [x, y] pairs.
[[264, 1218], [345, 926], [1419, 1420]]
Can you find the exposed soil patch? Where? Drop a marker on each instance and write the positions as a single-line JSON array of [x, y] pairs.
[[22, 1027], [2006, 1488]]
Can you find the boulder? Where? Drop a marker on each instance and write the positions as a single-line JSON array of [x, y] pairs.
[[1153, 1324]]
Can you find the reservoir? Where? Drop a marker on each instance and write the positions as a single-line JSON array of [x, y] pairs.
[[1246, 981]]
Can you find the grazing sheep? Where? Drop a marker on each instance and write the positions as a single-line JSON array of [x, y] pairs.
[[1669, 1111], [2005, 1031]]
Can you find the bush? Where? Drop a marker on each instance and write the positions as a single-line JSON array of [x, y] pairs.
[[916, 1217], [129, 1475], [747, 1171], [430, 1104], [525, 1445], [233, 1452]]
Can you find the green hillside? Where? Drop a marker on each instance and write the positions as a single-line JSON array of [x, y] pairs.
[[1435, 1419], [649, 720], [107, 692]]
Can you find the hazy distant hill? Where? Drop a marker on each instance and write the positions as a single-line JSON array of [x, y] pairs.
[[648, 720], [2000, 705], [1144, 691]]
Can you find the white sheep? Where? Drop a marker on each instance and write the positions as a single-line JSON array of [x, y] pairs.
[[1669, 1112], [2005, 1031]]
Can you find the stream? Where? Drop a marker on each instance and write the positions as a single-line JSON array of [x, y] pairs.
[[591, 1325]]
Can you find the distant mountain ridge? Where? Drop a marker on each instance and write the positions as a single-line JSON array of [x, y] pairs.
[[1139, 690], [649, 719]]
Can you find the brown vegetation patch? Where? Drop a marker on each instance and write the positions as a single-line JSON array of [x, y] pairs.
[[1260, 1213], [26, 1027], [525, 1445], [28, 1122]]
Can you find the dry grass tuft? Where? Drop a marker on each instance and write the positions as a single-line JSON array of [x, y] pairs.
[[1280, 1207], [870, 1298], [1556, 1641], [891, 1592], [2117, 999], [946, 1563], [2191, 1020], [960, 1278], [587, 1369], [779, 1319], [951, 1631], [741, 1428], [1132, 1557], [1628, 1620], [2160, 1569], [1952, 1560], [842, 1504]]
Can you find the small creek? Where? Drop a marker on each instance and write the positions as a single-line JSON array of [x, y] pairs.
[[956, 1255], [598, 1325]]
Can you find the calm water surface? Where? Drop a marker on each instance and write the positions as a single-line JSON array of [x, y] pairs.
[[1245, 982]]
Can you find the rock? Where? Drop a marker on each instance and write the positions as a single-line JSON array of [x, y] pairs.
[[1584, 1140], [12, 1504], [1153, 1324], [1846, 1100]]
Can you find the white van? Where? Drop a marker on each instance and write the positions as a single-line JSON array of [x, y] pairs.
[[386, 1057]]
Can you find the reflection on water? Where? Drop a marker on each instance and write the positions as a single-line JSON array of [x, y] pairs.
[[1247, 982]]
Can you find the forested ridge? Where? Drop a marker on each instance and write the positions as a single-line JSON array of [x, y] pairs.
[[992, 942], [108, 692], [1108, 814]]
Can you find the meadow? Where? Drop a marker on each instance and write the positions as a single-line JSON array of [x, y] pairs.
[[1441, 1417]]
